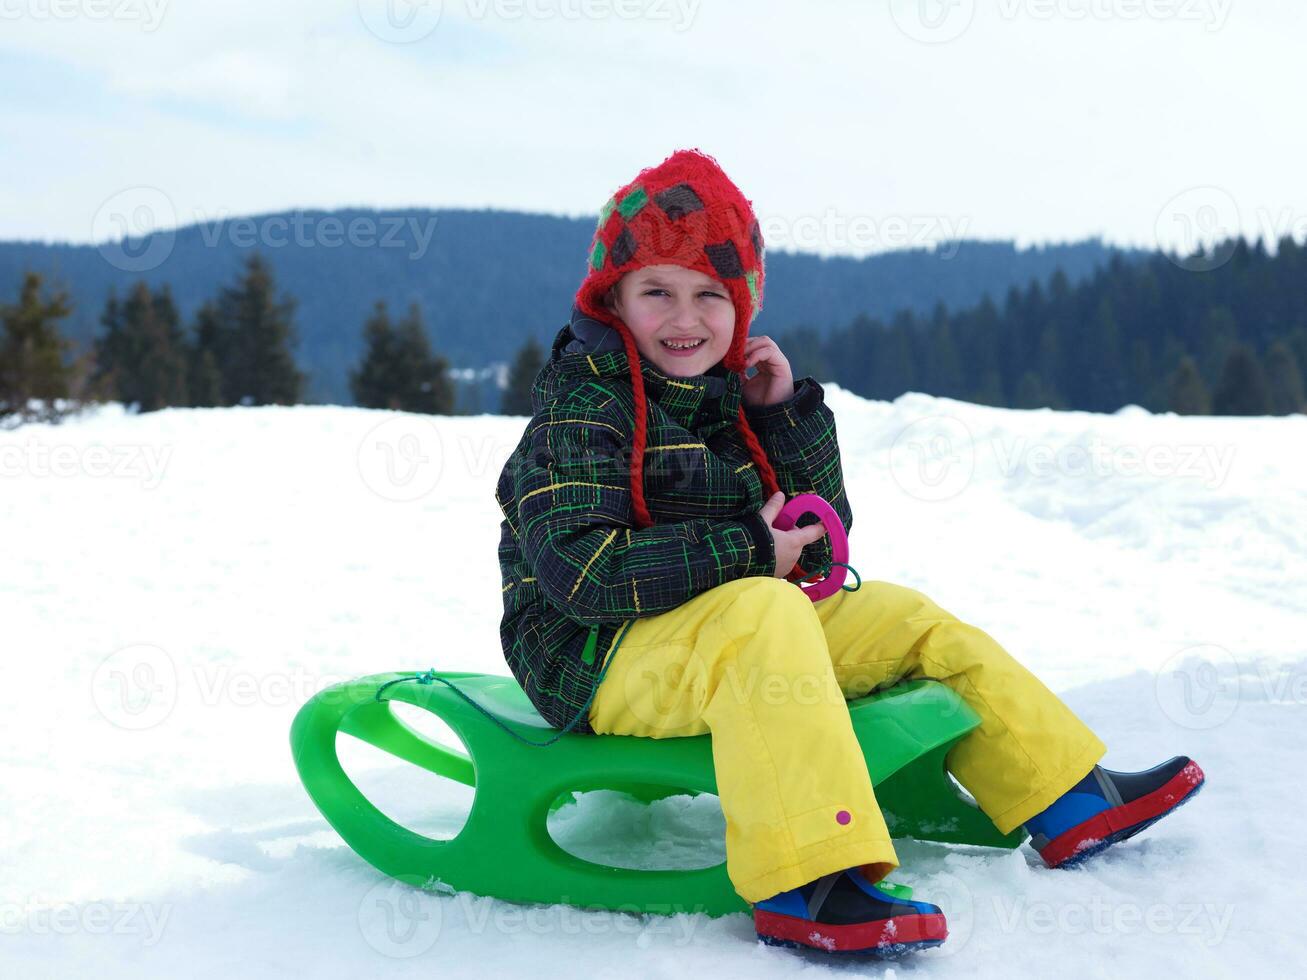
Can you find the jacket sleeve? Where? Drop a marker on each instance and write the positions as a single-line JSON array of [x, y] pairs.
[[572, 488], [799, 438]]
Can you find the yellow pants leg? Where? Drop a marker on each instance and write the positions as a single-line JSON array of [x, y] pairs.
[[766, 671], [748, 662], [1029, 748]]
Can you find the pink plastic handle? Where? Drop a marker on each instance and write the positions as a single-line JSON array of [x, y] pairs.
[[811, 503]]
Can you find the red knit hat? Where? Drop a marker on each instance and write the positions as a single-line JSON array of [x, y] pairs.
[[686, 212]]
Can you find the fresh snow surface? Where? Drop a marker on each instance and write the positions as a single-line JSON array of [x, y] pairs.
[[174, 586]]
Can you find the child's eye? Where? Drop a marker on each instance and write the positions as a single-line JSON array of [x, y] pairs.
[[705, 292]]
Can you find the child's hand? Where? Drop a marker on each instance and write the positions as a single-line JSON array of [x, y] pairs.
[[774, 381], [789, 544]]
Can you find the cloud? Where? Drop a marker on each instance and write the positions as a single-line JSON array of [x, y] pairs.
[[1025, 126]]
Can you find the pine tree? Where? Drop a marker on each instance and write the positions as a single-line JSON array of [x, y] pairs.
[[1243, 389], [522, 373], [1048, 359], [373, 382], [164, 369], [1297, 341], [1106, 371], [1141, 375], [399, 370], [856, 345], [141, 356], [1187, 392], [1284, 378], [207, 352], [1218, 332], [258, 367], [32, 352], [944, 363], [428, 387], [110, 349], [988, 390], [1034, 392], [983, 370], [894, 370], [1157, 394]]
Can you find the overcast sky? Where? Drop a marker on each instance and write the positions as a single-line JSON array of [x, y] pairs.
[[853, 126]]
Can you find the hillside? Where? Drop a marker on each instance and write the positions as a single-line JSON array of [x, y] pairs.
[[486, 280]]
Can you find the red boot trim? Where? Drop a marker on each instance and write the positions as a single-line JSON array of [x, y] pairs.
[[1097, 828], [853, 937]]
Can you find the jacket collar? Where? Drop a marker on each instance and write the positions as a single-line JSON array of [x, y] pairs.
[[586, 348]]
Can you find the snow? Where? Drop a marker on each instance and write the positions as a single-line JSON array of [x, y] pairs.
[[174, 586]]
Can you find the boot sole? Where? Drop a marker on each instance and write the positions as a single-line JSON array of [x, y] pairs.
[[881, 938], [1121, 823]]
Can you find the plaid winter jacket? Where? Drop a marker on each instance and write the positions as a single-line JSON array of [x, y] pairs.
[[575, 568]]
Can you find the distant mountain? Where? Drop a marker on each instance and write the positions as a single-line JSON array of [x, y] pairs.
[[488, 279]]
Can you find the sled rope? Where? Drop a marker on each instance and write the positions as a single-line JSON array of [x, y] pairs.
[[430, 676], [825, 570]]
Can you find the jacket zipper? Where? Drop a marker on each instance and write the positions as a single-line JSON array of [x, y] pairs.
[[588, 654]]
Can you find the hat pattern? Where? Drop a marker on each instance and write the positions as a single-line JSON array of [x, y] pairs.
[[686, 212]]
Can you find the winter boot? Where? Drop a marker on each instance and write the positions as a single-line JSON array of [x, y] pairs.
[[1107, 807], [843, 912]]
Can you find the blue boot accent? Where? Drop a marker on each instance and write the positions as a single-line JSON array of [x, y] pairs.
[[791, 902], [843, 912], [1104, 809], [1083, 800]]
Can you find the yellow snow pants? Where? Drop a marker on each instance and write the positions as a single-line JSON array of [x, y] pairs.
[[767, 671]]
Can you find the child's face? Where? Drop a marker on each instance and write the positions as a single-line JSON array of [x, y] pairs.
[[662, 303]]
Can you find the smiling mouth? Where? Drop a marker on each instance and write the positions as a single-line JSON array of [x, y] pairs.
[[683, 346]]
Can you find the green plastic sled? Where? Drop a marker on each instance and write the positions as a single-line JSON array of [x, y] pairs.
[[504, 849]]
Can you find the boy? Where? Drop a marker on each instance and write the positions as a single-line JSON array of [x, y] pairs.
[[637, 512]]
